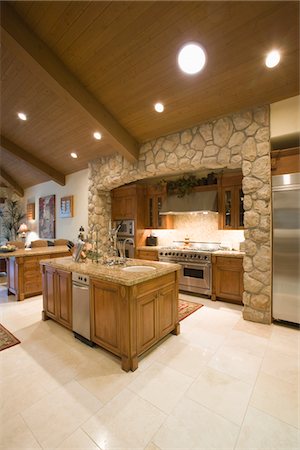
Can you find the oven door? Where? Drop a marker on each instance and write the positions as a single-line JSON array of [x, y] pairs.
[[195, 278]]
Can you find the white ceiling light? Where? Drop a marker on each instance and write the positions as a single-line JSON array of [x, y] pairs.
[[22, 116], [97, 135], [272, 59], [74, 155], [191, 58], [159, 107]]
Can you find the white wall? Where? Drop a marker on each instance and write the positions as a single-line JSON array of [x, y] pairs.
[[76, 185], [285, 117]]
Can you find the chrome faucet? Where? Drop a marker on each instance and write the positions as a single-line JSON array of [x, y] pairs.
[[122, 246]]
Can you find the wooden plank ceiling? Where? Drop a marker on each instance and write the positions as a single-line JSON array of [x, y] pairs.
[[78, 67]]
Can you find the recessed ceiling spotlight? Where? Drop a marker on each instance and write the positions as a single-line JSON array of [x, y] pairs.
[[272, 59], [159, 107], [22, 116], [97, 135], [74, 155], [191, 58]]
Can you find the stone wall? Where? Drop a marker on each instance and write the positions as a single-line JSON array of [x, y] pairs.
[[240, 140]]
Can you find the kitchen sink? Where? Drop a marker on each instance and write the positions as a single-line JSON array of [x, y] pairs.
[[138, 269]]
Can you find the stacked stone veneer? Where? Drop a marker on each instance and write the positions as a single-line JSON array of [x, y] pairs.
[[240, 140]]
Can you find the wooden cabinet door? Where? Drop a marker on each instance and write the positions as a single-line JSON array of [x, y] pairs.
[[155, 197], [105, 315], [230, 198], [64, 298], [49, 291], [147, 316], [229, 278], [166, 301]]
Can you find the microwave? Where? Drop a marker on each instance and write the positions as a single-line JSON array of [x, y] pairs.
[[126, 229]]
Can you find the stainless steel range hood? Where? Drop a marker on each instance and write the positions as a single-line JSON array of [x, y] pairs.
[[194, 203]]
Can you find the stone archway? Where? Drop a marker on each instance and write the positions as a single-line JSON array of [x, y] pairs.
[[240, 140]]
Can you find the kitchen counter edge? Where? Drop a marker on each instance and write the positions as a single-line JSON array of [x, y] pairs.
[[114, 274]]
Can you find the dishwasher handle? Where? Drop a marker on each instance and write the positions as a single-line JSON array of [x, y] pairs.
[[80, 286]]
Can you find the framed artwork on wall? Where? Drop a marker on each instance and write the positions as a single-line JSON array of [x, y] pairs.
[[47, 217], [66, 207]]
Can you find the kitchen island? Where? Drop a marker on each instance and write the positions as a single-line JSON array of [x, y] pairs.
[[23, 269], [131, 308]]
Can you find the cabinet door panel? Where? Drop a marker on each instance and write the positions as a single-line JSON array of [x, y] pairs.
[[146, 321], [106, 316], [64, 298], [229, 278], [49, 292], [166, 310]]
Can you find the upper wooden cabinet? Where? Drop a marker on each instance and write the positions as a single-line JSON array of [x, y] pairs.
[[127, 202], [155, 195], [230, 200]]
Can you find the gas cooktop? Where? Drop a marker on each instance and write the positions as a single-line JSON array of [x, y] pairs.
[[191, 251]]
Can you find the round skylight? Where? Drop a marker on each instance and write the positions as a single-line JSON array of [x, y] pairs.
[[191, 58], [272, 59]]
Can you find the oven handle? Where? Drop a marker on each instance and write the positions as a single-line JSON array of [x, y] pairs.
[[199, 264]]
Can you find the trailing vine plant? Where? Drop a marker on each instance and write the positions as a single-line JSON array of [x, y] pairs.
[[184, 185]]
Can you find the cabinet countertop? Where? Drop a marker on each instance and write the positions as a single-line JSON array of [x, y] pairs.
[[115, 274], [38, 251]]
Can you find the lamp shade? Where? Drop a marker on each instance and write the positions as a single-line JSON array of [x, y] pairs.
[[23, 228]]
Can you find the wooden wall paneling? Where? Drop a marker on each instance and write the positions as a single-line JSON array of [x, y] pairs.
[[37, 55], [11, 182], [32, 160]]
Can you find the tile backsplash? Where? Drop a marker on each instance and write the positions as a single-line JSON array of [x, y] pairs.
[[200, 228]]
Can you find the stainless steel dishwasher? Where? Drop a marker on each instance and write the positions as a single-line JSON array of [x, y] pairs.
[[81, 307]]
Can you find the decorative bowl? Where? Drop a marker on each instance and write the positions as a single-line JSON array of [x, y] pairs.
[[7, 248]]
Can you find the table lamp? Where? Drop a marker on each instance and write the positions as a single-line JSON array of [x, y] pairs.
[[23, 230]]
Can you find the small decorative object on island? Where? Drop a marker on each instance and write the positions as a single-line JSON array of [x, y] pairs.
[[81, 233], [47, 217], [66, 207]]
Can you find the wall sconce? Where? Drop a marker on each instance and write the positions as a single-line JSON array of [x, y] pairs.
[[23, 230]]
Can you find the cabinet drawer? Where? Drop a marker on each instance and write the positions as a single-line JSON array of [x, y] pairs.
[[151, 255], [229, 262]]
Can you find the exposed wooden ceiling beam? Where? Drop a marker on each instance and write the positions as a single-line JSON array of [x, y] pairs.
[[20, 153], [11, 182], [39, 57]]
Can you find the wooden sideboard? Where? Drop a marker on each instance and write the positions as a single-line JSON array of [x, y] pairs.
[[24, 277]]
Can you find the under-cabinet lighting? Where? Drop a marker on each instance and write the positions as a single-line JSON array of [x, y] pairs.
[[22, 116], [74, 155]]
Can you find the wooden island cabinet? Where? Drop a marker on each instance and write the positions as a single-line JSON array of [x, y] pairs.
[[130, 311], [228, 278], [57, 295]]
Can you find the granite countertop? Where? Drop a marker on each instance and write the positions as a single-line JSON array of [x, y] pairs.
[[38, 251], [234, 253], [115, 274]]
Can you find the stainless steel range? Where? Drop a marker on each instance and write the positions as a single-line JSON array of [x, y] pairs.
[[196, 268]]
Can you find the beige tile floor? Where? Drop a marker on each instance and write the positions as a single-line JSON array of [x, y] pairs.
[[222, 384]]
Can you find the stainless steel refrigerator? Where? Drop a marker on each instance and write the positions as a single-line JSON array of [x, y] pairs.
[[286, 247]]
